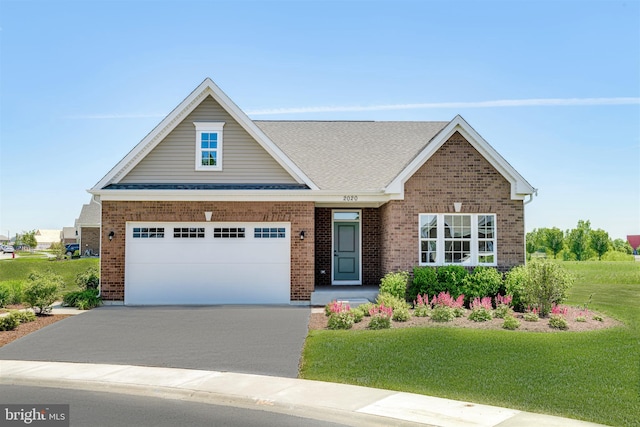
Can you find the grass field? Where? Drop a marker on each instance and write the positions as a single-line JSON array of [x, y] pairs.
[[592, 376], [19, 268]]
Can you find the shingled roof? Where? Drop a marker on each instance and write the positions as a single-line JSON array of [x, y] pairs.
[[351, 155]]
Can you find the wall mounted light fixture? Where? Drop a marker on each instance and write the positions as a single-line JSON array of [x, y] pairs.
[[111, 234], [302, 235]]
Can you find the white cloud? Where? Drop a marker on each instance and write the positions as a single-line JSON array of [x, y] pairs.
[[536, 102]]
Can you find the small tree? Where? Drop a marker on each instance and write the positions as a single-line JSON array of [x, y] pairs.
[[578, 240], [545, 284], [554, 240], [623, 246], [42, 291], [600, 242], [395, 284], [29, 238]]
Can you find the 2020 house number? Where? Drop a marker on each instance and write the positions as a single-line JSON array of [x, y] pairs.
[[349, 198]]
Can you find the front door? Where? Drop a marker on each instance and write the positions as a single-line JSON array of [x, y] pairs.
[[346, 248]]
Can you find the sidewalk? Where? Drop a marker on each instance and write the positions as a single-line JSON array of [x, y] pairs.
[[347, 404]]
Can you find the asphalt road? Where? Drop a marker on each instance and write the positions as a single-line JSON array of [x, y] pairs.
[[88, 408], [264, 340]]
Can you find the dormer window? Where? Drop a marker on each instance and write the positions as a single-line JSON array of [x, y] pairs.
[[209, 145]]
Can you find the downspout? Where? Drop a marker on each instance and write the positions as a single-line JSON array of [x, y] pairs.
[[535, 192], [93, 198]]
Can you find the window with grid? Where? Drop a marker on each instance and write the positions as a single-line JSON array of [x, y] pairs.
[[269, 233], [209, 145], [428, 239], [228, 232], [486, 239], [188, 233], [148, 232]]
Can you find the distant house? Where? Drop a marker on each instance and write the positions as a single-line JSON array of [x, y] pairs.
[[634, 241], [4, 239], [212, 207], [69, 235], [46, 238], [88, 228]]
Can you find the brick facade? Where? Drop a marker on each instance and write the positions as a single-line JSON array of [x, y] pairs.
[[90, 240], [370, 224], [457, 172], [116, 214]]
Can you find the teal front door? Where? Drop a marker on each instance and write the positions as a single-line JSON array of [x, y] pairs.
[[346, 253]]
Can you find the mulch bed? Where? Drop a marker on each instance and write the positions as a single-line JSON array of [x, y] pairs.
[[26, 328]]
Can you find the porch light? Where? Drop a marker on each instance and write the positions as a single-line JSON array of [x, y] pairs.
[[111, 234], [302, 235], [207, 216]]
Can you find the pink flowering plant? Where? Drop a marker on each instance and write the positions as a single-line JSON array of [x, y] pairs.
[[445, 307], [557, 318], [421, 306], [481, 309], [336, 307], [531, 315], [380, 317], [503, 306]]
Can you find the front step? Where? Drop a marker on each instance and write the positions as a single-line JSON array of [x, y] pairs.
[[354, 296]]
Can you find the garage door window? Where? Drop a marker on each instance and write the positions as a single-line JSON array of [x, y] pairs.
[[228, 232], [269, 233], [188, 233], [148, 233]]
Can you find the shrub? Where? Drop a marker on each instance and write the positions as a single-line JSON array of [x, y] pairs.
[[380, 317], [84, 300], [25, 316], [425, 282], [401, 314], [88, 279], [485, 281], [511, 323], [341, 320], [4, 296], [481, 310], [442, 313], [392, 301], [9, 322], [514, 286], [42, 291], [395, 284], [531, 316], [597, 318], [364, 308], [357, 315], [503, 306], [422, 308], [546, 284], [13, 290], [581, 319], [336, 307], [557, 321], [451, 279]]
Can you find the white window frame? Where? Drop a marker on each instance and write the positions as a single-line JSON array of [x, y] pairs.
[[208, 127], [475, 240]]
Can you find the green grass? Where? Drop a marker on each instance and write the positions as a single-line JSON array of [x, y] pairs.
[[593, 376], [19, 269]]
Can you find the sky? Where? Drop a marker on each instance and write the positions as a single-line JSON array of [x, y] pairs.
[[553, 86]]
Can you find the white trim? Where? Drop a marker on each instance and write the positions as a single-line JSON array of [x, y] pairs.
[[209, 127], [474, 240], [206, 88], [520, 188], [335, 282]]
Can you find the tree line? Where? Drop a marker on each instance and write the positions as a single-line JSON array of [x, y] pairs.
[[580, 243]]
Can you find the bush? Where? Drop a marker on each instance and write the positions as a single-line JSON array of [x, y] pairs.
[[422, 308], [557, 321], [9, 323], [392, 301], [380, 317], [42, 291], [514, 286], [25, 316], [357, 315], [484, 282], [401, 314], [365, 308], [13, 289], [481, 310], [451, 279], [84, 300], [336, 307], [510, 323], [503, 306], [4, 296], [530, 316], [342, 320], [545, 285], [88, 279], [442, 313], [395, 284], [425, 282]]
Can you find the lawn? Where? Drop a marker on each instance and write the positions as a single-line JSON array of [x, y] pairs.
[[19, 268], [593, 376]]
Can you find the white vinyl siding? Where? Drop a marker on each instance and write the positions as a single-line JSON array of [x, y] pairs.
[[172, 160]]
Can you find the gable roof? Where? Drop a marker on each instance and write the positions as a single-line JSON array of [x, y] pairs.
[[47, 236], [206, 88], [90, 215], [351, 155]]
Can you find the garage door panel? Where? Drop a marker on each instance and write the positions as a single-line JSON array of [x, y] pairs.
[[208, 270]]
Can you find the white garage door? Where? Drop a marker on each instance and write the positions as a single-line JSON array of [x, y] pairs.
[[207, 263]]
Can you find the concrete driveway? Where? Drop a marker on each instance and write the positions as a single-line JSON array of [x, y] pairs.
[[263, 340]]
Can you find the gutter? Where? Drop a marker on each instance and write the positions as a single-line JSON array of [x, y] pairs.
[[535, 192]]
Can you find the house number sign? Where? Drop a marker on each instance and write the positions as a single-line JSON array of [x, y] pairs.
[[349, 198]]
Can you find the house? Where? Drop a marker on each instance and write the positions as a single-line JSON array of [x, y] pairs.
[[634, 241], [69, 235], [46, 238], [87, 228], [212, 207]]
